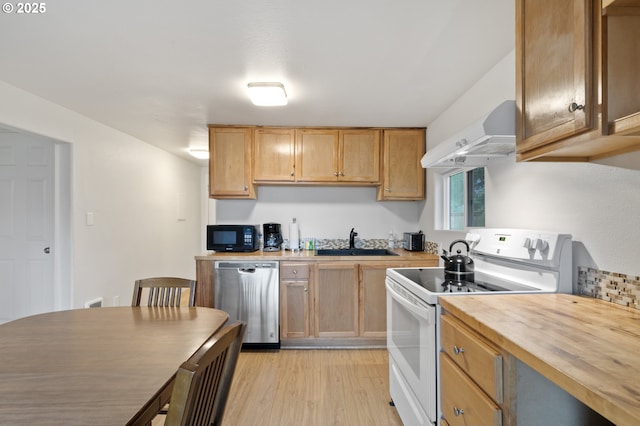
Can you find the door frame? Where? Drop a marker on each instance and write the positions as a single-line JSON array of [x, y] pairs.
[[62, 211]]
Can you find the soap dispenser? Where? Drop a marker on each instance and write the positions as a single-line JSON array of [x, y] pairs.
[[392, 241]]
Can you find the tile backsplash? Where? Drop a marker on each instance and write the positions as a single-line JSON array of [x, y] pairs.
[[613, 287], [430, 247]]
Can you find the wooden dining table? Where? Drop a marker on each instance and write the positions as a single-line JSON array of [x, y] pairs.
[[98, 366]]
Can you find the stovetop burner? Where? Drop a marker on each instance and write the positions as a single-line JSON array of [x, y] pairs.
[[432, 280]]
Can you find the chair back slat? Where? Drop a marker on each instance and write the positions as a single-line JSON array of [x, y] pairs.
[[163, 291], [202, 382]]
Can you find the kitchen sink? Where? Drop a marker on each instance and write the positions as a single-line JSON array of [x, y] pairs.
[[355, 252]]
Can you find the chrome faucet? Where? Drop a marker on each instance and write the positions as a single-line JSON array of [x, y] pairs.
[[352, 238]]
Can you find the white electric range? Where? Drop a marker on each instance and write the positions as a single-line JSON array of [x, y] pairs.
[[505, 261]]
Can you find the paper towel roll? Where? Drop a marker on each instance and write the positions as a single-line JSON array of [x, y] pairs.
[[294, 236]]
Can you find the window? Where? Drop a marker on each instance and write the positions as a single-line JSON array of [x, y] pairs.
[[464, 199]]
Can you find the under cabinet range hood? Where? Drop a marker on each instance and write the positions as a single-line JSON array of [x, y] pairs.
[[490, 137]]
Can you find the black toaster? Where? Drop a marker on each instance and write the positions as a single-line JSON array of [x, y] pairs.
[[414, 241]]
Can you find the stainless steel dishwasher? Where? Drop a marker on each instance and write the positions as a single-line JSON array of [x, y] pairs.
[[249, 292]]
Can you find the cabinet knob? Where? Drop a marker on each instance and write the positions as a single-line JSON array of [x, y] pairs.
[[457, 350], [306, 289], [573, 107], [246, 188], [294, 271], [458, 411], [292, 173], [341, 174], [387, 189], [335, 174]]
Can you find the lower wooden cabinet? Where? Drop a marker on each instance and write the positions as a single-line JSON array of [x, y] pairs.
[[340, 303], [471, 376], [373, 301], [463, 403], [295, 296], [336, 300]]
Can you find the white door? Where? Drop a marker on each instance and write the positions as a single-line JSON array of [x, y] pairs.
[[26, 225]]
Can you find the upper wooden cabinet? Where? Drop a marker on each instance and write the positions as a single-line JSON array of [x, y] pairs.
[[577, 79], [316, 155], [359, 156], [274, 155], [230, 163], [243, 156], [402, 173], [329, 155]]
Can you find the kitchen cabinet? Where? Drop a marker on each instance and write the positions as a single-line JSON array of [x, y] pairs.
[[295, 301], [402, 174], [359, 156], [242, 157], [230, 163], [316, 155], [205, 284], [538, 359], [331, 155], [372, 311], [336, 300], [274, 155], [471, 377], [577, 79]]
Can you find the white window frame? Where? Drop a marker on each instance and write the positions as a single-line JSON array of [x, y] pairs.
[[443, 197]]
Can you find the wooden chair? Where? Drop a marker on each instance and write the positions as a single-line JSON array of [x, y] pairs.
[[163, 291], [202, 383]]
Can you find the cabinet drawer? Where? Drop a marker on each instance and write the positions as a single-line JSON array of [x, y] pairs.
[[294, 271], [478, 359], [463, 403]]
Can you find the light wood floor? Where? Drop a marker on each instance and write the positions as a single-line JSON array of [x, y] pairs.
[[311, 388]]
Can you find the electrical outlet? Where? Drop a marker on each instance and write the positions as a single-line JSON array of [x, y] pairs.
[[116, 300]]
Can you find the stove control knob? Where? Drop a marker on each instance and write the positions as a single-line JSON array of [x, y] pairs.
[[542, 245], [528, 244]]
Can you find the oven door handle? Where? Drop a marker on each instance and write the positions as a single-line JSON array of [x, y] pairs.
[[414, 306]]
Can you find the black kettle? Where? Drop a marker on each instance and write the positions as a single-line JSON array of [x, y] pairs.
[[458, 268]]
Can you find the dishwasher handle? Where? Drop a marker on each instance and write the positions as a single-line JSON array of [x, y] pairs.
[[248, 267]]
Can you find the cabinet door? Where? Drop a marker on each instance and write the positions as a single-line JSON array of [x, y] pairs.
[[359, 156], [274, 155], [373, 301], [316, 155], [336, 300], [554, 91], [204, 283], [403, 175], [230, 163], [294, 309], [295, 293]]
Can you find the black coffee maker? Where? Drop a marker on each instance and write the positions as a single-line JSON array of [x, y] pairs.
[[272, 235]]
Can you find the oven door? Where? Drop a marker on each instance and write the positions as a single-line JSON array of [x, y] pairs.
[[411, 341]]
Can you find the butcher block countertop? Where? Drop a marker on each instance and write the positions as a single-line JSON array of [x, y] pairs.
[[588, 347], [309, 255]]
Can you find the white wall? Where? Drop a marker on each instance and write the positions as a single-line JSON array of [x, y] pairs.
[[597, 203], [133, 190], [323, 212]]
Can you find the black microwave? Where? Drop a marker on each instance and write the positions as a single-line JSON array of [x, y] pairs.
[[233, 237]]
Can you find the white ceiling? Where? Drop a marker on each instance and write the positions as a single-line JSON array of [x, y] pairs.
[[162, 70]]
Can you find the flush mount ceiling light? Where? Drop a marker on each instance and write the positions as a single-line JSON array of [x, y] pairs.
[[199, 153], [267, 94]]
